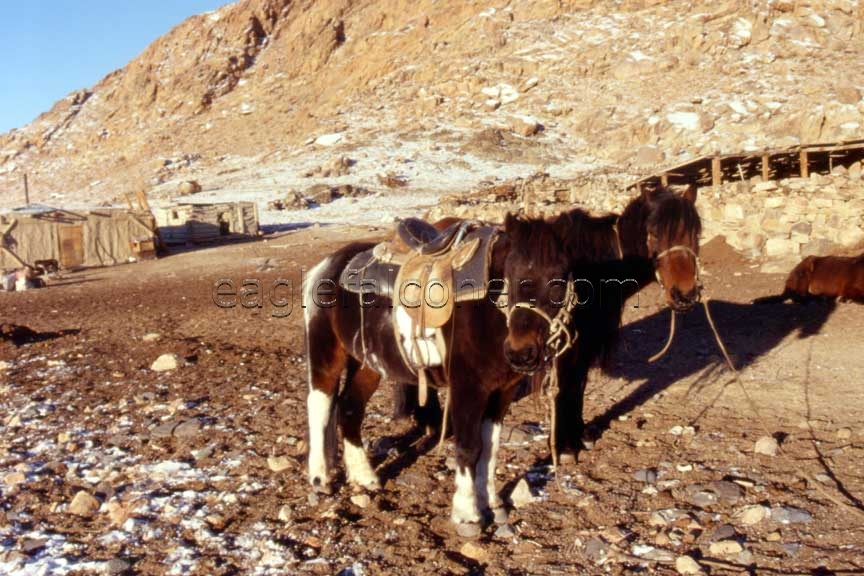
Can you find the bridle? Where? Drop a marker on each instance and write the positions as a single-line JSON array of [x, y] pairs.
[[679, 248], [560, 337]]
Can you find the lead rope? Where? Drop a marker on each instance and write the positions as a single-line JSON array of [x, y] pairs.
[[559, 341], [679, 248], [736, 377], [446, 415]]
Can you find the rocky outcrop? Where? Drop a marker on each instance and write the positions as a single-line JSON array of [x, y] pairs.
[[624, 85]]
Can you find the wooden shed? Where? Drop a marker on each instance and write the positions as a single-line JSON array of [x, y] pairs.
[[206, 223], [75, 238]]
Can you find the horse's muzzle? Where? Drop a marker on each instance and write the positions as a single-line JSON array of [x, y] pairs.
[[527, 360], [682, 302]]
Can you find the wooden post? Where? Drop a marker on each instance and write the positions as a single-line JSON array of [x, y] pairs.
[[26, 191], [805, 170], [716, 172], [766, 167]]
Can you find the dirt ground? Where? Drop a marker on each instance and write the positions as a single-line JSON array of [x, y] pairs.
[[178, 460]]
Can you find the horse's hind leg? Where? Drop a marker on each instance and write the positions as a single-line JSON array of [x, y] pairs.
[[360, 383], [326, 361]]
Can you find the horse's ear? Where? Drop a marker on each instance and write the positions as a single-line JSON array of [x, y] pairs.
[[690, 193], [511, 221], [648, 191]]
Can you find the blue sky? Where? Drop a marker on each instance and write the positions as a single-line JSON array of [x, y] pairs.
[[52, 47]]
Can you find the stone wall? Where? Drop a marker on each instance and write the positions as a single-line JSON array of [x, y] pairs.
[[782, 221]]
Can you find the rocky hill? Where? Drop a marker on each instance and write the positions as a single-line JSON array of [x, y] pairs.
[[254, 98]]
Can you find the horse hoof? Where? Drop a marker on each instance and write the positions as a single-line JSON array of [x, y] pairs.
[[373, 486], [468, 529], [321, 487], [500, 516], [566, 459]]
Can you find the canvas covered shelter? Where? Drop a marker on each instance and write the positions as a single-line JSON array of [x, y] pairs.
[[199, 223], [75, 238]]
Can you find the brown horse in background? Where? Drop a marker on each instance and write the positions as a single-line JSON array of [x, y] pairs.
[[823, 277]]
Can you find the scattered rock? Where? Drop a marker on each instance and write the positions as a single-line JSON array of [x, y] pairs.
[[725, 548], [329, 139], [752, 515], [722, 532], [596, 550], [790, 515], [767, 446], [468, 530], [521, 495], [474, 552], [844, 434], [687, 565], [360, 500], [188, 428], [286, 514], [117, 566], [189, 187], [526, 126], [164, 363], [151, 337], [83, 504], [14, 478], [648, 476], [505, 532], [393, 180], [278, 463], [31, 546]]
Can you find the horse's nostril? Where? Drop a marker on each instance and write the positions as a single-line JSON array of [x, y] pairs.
[[526, 356]]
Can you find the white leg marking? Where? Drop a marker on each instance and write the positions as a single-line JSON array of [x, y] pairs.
[[318, 406], [318, 403], [423, 350], [358, 469], [487, 495], [465, 508]]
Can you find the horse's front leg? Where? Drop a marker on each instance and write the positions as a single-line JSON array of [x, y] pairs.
[[490, 434], [360, 384], [468, 407]]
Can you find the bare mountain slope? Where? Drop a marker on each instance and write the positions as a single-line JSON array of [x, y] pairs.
[[585, 84]]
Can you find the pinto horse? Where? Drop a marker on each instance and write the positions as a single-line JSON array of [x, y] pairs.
[[484, 364]]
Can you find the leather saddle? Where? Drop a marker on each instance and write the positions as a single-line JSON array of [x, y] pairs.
[[425, 273], [423, 238], [457, 258]]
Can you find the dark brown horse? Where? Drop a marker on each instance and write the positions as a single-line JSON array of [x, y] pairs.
[[656, 238], [611, 258], [824, 277], [482, 370]]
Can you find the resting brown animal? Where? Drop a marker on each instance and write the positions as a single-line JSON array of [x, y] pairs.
[[827, 277]]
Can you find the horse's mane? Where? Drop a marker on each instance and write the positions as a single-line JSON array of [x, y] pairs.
[[662, 211], [588, 237], [538, 238], [673, 214]]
